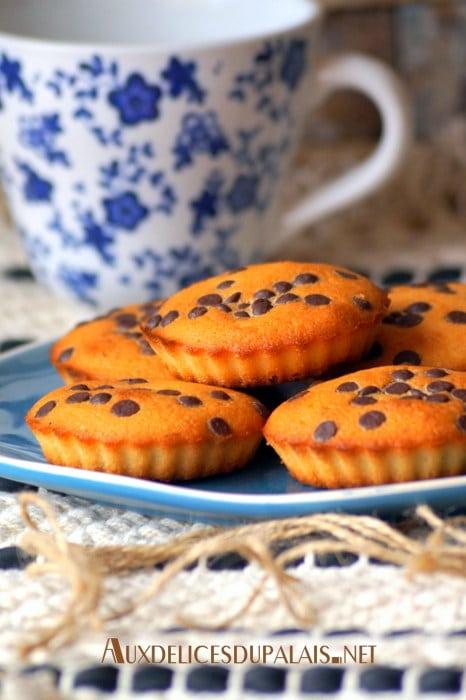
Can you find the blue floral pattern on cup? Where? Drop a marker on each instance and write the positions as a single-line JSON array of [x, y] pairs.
[[97, 171]]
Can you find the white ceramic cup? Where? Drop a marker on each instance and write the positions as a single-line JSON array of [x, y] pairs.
[[143, 145]]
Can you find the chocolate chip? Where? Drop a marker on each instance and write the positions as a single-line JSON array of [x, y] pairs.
[[79, 397], [225, 284], [325, 431], [244, 305], [145, 348], [45, 409], [416, 394], [436, 372], [131, 335], [79, 387], [197, 311], [233, 298], [210, 300], [264, 294], [362, 303], [150, 306], [282, 287], [152, 321], [219, 426], [287, 298], [221, 395], [260, 307], [241, 314], [261, 409], [371, 389], [456, 317], [402, 374], [443, 288], [397, 388], [461, 423], [363, 400], [126, 320], [347, 386], [223, 307], [189, 401], [125, 408], [100, 398], [346, 275], [440, 385], [168, 392], [65, 355], [459, 394], [419, 307], [437, 398], [372, 419], [317, 300], [169, 318], [306, 278], [403, 319], [407, 357]]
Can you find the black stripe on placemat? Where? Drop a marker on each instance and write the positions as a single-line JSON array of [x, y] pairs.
[[11, 343], [10, 486], [210, 679], [14, 558], [322, 679], [18, 273], [260, 680], [265, 679], [104, 677], [152, 678]]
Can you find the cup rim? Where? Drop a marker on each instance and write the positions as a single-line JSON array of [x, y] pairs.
[[314, 13]]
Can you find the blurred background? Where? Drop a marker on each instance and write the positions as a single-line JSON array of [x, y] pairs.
[[424, 209]]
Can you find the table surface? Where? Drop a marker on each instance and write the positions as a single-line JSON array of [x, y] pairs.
[[415, 626]]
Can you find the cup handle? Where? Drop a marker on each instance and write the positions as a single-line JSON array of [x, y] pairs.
[[376, 80]]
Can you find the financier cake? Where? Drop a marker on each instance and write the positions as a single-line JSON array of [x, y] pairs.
[[426, 325], [266, 324], [387, 424], [167, 430], [109, 347]]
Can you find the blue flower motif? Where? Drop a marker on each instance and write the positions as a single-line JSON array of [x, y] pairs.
[[136, 101], [97, 237], [180, 77], [68, 238], [200, 133], [243, 193], [10, 71], [80, 282], [183, 266], [35, 188], [206, 206], [39, 133], [125, 211], [294, 63]]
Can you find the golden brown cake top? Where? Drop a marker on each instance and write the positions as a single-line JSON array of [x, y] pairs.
[[394, 406], [266, 306], [139, 413], [109, 347], [426, 325]]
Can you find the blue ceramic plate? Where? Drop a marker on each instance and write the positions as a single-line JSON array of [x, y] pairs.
[[262, 490]]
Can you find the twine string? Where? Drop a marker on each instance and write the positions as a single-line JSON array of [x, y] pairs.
[[85, 568]]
